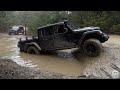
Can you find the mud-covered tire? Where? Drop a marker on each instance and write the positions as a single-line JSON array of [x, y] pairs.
[[9, 33], [92, 47], [33, 50]]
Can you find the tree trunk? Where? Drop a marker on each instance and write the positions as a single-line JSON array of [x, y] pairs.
[[25, 30]]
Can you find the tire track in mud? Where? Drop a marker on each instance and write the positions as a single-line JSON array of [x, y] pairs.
[[107, 65]]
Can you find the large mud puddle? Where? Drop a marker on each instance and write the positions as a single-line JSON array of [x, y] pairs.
[[61, 61], [67, 62]]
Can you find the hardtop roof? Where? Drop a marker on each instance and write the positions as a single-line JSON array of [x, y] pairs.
[[60, 23]]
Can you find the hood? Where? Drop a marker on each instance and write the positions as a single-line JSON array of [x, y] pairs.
[[87, 29], [13, 29]]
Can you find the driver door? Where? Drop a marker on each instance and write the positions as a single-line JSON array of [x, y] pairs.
[[62, 37], [47, 39]]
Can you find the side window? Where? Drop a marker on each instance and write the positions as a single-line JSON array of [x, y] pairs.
[[60, 29], [47, 31], [40, 33]]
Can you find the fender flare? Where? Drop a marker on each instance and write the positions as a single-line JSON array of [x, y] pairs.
[[32, 43], [85, 34]]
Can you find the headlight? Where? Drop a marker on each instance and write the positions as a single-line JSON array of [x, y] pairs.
[[99, 32]]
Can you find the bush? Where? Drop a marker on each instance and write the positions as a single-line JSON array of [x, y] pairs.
[[115, 29]]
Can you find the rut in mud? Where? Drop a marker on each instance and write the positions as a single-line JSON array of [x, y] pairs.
[[70, 62]]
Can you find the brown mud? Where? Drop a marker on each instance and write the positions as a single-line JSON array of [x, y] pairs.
[[71, 62]]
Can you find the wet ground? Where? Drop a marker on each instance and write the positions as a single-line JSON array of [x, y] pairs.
[[70, 62], [10, 70]]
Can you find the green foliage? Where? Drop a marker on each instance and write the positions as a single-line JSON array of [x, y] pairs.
[[108, 21], [115, 28]]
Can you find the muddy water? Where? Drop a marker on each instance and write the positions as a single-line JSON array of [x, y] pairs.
[[67, 62], [61, 61]]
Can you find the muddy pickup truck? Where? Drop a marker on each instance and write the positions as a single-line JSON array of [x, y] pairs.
[[64, 35], [16, 30]]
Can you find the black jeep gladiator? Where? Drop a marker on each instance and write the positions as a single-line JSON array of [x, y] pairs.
[[64, 35]]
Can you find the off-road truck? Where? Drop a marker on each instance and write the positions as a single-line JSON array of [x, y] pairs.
[[16, 30], [64, 35]]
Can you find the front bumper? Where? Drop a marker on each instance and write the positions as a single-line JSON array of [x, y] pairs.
[[105, 37]]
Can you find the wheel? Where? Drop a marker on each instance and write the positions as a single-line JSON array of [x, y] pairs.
[[9, 33], [92, 47], [33, 50]]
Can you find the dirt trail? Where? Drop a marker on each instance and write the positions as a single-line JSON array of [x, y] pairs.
[[70, 62]]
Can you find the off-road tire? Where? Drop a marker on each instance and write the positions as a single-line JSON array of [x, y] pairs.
[[33, 50], [92, 47], [9, 33]]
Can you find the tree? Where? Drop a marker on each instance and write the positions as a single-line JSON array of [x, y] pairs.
[[106, 20]]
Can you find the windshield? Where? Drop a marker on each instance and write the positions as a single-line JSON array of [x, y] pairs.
[[15, 27], [73, 26]]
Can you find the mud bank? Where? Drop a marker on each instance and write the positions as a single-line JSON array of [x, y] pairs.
[[11, 70]]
